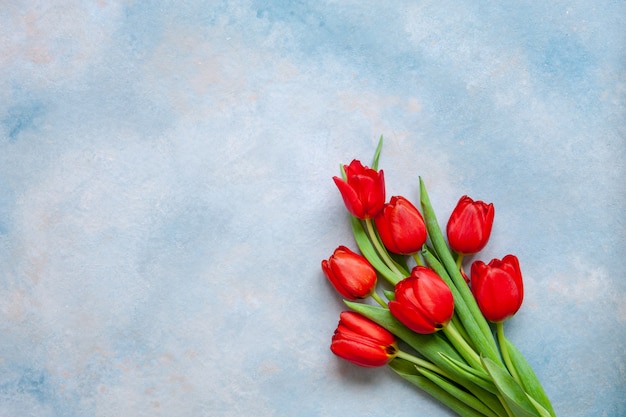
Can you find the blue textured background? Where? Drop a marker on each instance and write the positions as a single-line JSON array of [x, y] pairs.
[[166, 193]]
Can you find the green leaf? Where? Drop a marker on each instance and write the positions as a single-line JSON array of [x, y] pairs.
[[528, 378], [461, 395], [479, 383], [513, 394], [491, 400], [377, 153], [403, 368], [472, 319], [473, 375], [429, 346], [367, 249]]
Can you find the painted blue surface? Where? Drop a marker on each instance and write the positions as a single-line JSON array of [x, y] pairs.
[[166, 193]]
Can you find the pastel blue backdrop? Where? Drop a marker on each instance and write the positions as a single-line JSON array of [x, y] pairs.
[[166, 193]]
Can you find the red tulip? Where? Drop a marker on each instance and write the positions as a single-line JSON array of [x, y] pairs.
[[364, 191], [350, 273], [469, 225], [359, 340], [424, 302], [401, 226], [498, 287]]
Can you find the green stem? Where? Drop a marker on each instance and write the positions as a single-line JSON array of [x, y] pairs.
[[378, 299], [458, 326], [504, 350], [381, 250], [462, 346], [418, 260], [367, 249], [459, 261], [422, 363], [472, 395]]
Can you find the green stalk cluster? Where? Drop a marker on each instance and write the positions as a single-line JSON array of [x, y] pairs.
[[464, 366]]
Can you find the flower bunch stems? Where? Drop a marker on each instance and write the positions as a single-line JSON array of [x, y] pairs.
[[448, 347], [465, 304]]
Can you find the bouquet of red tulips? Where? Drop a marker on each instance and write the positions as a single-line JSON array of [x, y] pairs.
[[433, 325]]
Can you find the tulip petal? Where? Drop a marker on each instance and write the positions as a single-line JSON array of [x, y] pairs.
[[359, 353], [362, 326], [401, 226], [424, 303], [498, 287], [350, 198], [350, 273], [361, 341], [356, 279]]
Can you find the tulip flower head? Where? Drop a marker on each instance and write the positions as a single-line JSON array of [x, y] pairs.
[[470, 225], [363, 192], [350, 273], [498, 287], [359, 340], [401, 226], [424, 302]]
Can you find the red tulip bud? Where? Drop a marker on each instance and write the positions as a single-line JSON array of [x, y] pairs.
[[469, 225], [359, 340], [350, 273], [401, 226], [424, 302], [364, 191], [498, 287]]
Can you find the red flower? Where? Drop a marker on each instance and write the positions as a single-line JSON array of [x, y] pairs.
[[401, 226], [423, 303], [359, 340], [469, 225], [498, 287], [350, 273], [364, 191]]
